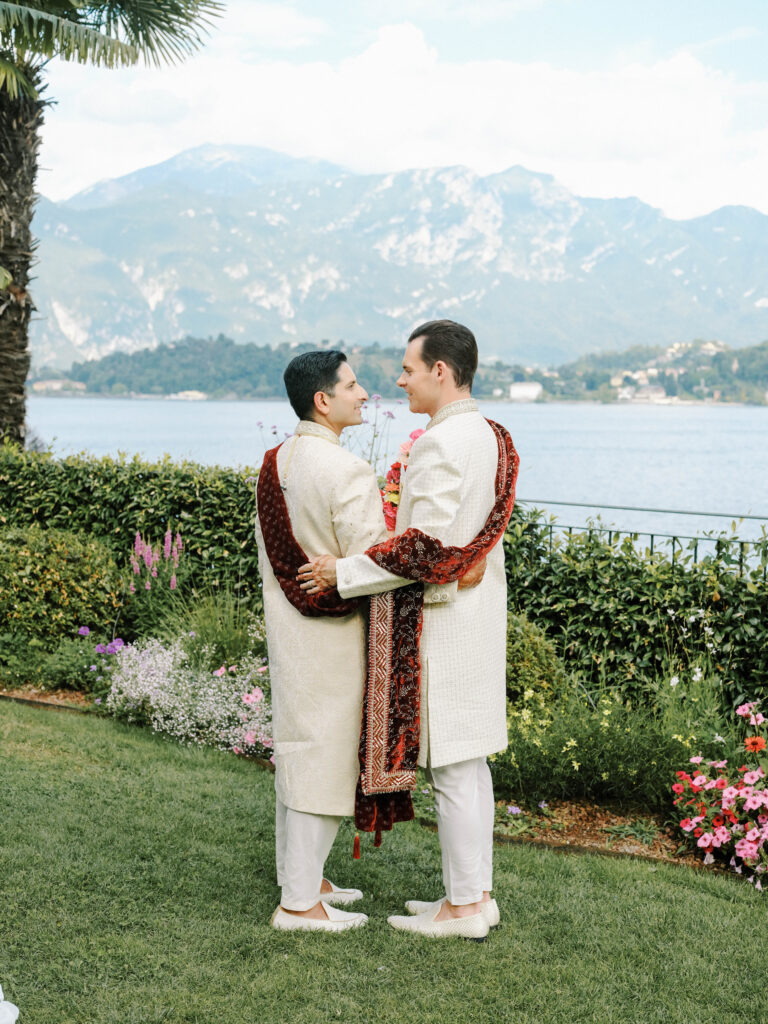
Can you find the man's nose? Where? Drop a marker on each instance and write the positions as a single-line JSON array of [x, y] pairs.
[[364, 394], [400, 381]]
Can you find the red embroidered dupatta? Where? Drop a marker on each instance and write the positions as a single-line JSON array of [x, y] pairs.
[[389, 738]]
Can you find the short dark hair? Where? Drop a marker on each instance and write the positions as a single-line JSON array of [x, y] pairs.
[[309, 373], [452, 343]]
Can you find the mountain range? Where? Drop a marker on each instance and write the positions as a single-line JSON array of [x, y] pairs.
[[267, 248]]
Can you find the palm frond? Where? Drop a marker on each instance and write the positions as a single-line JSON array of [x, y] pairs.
[[13, 79], [5, 279], [164, 31], [26, 30]]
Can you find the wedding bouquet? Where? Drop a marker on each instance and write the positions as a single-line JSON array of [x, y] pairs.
[[728, 816], [390, 495]]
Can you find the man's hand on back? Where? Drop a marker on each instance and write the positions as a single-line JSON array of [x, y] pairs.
[[318, 574], [474, 576]]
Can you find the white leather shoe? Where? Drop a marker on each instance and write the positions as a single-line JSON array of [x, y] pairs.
[[340, 897], [338, 921], [490, 909], [474, 927]]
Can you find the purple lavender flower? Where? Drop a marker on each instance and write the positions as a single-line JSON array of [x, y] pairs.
[[167, 545], [118, 642], [83, 631], [511, 809], [97, 701], [93, 668], [100, 649], [389, 414]]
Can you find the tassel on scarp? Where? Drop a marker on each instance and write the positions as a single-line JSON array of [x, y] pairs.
[[356, 848]]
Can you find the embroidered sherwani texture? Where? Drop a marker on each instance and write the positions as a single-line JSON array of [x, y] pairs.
[[447, 492], [317, 665]]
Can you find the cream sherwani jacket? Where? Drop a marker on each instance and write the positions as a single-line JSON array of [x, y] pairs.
[[448, 491], [317, 665]]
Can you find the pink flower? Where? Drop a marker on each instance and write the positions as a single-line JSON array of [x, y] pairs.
[[272, 759], [173, 582], [138, 545], [147, 553], [729, 795], [233, 668], [699, 780], [752, 777], [756, 719], [236, 750], [415, 434], [697, 760], [686, 825], [762, 818], [220, 671], [148, 585], [249, 739], [262, 669], [167, 545], [745, 709], [753, 835], [718, 764], [131, 588], [705, 839], [249, 698], [722, 835], [746, 850], [709, 859]]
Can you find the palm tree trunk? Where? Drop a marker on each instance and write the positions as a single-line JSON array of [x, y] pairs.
[[20, 122]]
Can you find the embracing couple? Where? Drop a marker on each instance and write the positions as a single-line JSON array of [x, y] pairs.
[[404, 633]]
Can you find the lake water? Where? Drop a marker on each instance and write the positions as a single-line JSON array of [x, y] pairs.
[[709, 458]]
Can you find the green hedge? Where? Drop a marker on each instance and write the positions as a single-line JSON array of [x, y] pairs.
[[112, 499], [616, 615], [620, 616]]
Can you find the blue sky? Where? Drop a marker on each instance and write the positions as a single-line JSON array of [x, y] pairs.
[[664, 100]]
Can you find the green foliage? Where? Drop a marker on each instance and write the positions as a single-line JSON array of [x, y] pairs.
[[216, 628], [54, 581], [605, 750], [213, 507], [532, 662], [623, 617]]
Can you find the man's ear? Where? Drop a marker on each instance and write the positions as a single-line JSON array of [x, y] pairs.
[[320, 400], [442, 369]]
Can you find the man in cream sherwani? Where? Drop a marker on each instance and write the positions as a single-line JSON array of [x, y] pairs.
[[317, 665], [447, 492]]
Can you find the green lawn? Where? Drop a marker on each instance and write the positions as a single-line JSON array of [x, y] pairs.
[[137, 881]]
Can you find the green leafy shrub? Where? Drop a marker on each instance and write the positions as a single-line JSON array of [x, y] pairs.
[[532, 662], [52, 582], [621, 616], [605, 750], [111, 499]]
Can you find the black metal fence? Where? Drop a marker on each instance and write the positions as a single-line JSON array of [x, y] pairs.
[[730, 549]]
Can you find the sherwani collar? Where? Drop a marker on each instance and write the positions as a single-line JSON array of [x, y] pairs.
[[308, 428], [453, 409]]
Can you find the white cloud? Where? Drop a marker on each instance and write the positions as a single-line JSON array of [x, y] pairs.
[[674, 132]]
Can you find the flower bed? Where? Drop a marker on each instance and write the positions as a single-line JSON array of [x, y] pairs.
[[154, 683], [728, 808]]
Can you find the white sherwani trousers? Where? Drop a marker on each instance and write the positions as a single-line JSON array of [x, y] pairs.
[[465, 812], [302, 843]]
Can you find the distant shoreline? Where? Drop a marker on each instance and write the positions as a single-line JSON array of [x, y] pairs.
[[670, 402]]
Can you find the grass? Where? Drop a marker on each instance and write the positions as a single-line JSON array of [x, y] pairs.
[[136, 884]]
